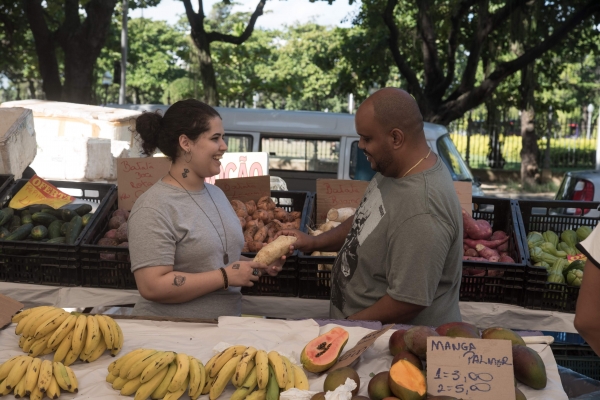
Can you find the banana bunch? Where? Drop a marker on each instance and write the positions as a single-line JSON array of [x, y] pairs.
[[36, 378], [48, 329]]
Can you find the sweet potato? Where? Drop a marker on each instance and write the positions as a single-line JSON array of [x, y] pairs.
[[327, 226], [108, 242], [250, 232], [270, 216], [122, 213], [295, 215], [254, 246], [506, 259], [249, 218], [296, 223], [124, 244], [255, 222], [271, 230], [261, 234], [494, 258], [270, 239], [280, 214], [250, 207], [498, 235], [340, 214], [486, 252], [275, 250], [242, 222], [238, 205], [476, 229], [263, 215], [111, 234], [503, 247], [121, 235], [108, 256], [471, 253], [266, 203], [492, 244], [245, 249], [116, 221]]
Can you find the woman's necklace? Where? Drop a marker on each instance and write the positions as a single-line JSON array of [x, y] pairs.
[[414, 166], [225, 255]]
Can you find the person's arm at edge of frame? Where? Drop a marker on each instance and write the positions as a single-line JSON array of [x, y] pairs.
[[329, 241], [388, 310], [587, 314]]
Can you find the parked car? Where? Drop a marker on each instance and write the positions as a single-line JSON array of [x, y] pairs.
[[580, 186]]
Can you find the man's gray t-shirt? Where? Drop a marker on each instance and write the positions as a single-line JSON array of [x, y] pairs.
[[167, 228], [405, 241]]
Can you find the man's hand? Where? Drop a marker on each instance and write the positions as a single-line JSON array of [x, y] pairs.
[[276, 267], [303, 241]]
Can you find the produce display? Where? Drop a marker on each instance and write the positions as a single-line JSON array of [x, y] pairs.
[[322, 353], [335, 216], [554, 252], [116, 236], [481, 244], [36, 378], [256, 374], [261, 220], [70, 336], [43, 223]]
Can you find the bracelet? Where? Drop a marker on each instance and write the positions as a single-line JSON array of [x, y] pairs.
[[225, 279]]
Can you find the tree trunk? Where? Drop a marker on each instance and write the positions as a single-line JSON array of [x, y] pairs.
[[79, 76], [529, 152], [207, 75], [31, 89]]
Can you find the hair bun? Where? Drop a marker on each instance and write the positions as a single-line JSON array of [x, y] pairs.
[[148, 126]]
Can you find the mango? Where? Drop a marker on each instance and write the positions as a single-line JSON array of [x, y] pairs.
[[519, 395], [416, 340], [379, 388], [458, 329], [502, 333], [338, 378], [407, 382], [407, 355], [397, 343], [318, 396], [529, 367]]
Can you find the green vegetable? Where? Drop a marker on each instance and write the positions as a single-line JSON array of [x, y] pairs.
[[569, 237], [20, 233], [542, 264], [583, 232], [538, 255], [577, 264], [574, 277], [555, 277], [549, 248], [551, 237], [534, 239], [571, 251], [559, 265]]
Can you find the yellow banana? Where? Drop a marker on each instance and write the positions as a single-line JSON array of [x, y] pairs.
[[246, 388], [110, 378], [238, 380], [300, 378], [209, 384], [53, 389], [262, 368], [117, 346], [147, 388], [111, 366], [223, 378], [194, 376], [122, 360], [106, 331], [62, 331], [203, 379], [46, 351], [22, 340], [222, 358], [28, 343], [7, 366], [61, 376], [163, 387], [290, 373], [93, 337], [44, 317], [165, 358], [63, 348], [51, 324], [130, 362], [32, 375], [242, 370], [97, 352], [260, 394], [73, 379], [183, 369], [32, 315], [3, 389], [79, 334], [19, 316], [278, 365], [45, 376], [179, 392], [131, 386], [19, 390], [119, 383], [36, 394], [71, 357], [39, 346], [137, 368], [17, 372]]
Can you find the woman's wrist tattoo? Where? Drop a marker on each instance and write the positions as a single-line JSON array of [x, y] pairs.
[[179, 280]]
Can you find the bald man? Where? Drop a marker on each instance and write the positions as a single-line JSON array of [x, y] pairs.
[[401, 256]]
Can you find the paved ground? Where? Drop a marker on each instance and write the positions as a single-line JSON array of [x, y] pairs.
[[502, 191]]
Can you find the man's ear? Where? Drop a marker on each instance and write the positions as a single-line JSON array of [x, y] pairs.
[[397, 137]]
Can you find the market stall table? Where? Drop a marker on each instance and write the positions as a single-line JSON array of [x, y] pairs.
[[286, 337], [479, 314]]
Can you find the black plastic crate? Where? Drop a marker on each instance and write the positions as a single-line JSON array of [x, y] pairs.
[[50, 263], [6, 180], [579, 358], [555, 215]]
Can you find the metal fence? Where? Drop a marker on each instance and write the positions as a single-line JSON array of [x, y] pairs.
[[563, 145]]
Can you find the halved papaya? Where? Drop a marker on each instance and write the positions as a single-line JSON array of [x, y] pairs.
[[407, 382], [321, 353]]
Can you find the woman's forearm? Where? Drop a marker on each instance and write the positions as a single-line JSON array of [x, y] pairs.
[[180, 287]]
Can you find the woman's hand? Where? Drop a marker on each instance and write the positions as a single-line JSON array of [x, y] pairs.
[[244, 273], [276, 267]]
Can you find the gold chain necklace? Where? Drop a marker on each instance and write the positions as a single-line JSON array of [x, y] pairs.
[[414, 166]]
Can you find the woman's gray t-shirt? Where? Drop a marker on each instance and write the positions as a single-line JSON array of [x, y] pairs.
[[167, 228]]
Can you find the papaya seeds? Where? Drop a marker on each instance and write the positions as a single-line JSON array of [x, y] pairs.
[[322, 353]]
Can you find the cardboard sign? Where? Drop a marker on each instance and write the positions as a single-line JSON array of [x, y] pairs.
[[338, 193], [8, 308], [470, 369], [363, 344], [242, 165], [38, 191], [244, 189], [464, 191], [136, 175]]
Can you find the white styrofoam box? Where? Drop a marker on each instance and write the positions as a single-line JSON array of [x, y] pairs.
[[17, 140]]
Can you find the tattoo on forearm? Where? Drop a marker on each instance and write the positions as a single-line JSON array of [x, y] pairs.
[[236, 266], [179, 280], [185, 172]]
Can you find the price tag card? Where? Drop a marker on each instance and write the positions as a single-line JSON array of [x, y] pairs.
[[363, 344], [464, 191], [136, 175], [245, 189], [8, 308], [470, 369], [338, 193]]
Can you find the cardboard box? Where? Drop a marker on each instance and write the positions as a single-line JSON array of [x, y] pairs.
[[18, 145]]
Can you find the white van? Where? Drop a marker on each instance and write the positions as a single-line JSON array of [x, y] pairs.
[[304, 146]]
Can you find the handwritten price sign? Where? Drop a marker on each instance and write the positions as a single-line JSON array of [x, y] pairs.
[[363, 344], [136, 175], [338, 193], [245, 189], [471, 369]]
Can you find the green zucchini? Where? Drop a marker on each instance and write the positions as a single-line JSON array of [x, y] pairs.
[[63, 228], [60, 239], [43, 218], [39, 232], [15, 222], [74, 229], [54, 229], [86, 218], [67, 215], [26, 218], [21, 233], [6, 215], [3, 233]]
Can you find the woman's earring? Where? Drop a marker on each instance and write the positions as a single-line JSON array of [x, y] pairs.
[[190, 153]]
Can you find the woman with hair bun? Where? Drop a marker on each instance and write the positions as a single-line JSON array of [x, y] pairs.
[[185, 239]]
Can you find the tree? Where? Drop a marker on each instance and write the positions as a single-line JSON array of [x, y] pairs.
[[203, 39]]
